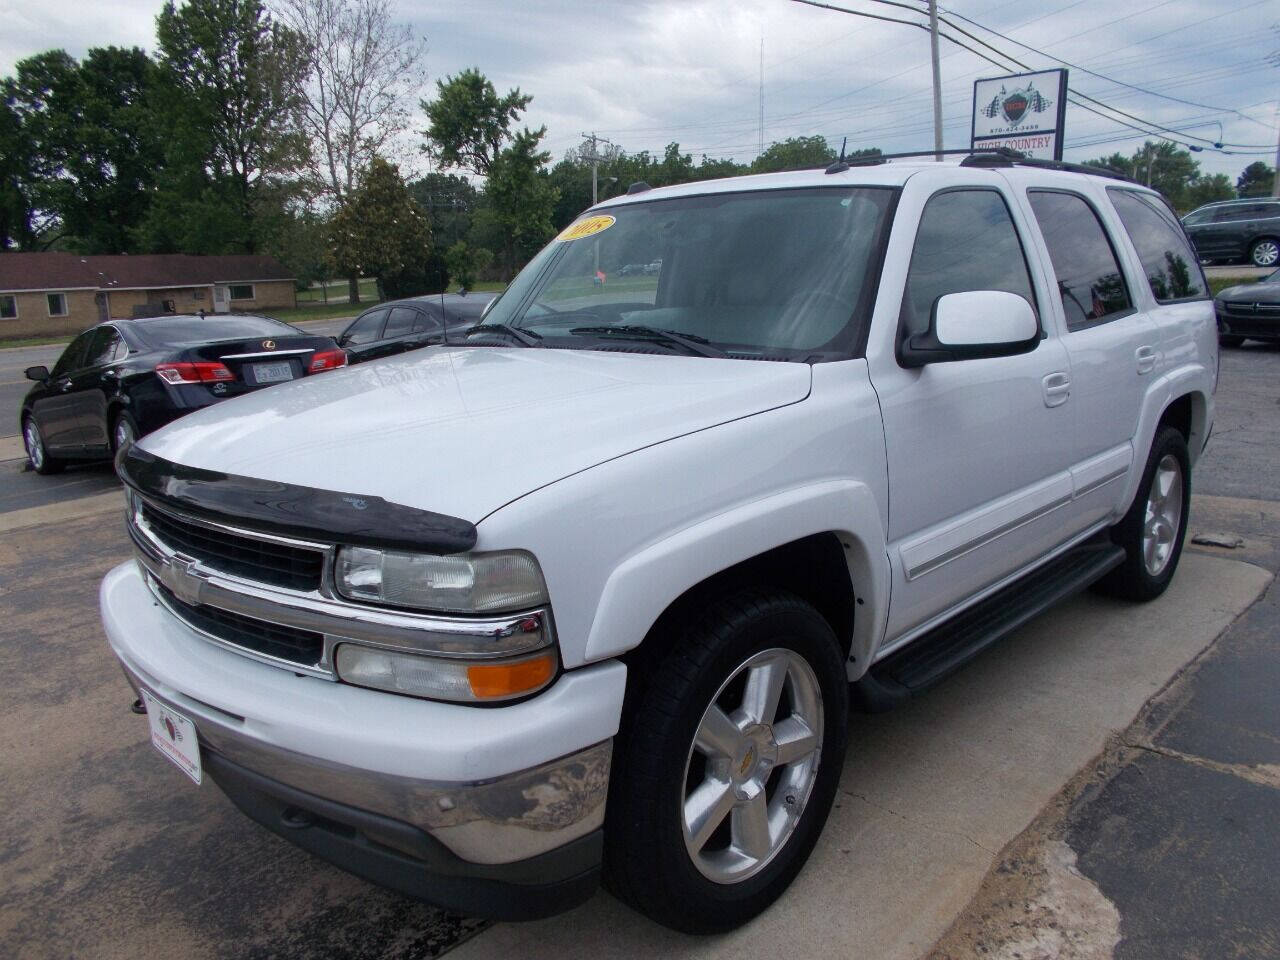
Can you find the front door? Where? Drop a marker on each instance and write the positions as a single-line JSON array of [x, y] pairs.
[[55, 409], [221, 298], [978, 450]]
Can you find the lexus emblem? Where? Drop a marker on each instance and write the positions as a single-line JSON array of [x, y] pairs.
[[268, 344]]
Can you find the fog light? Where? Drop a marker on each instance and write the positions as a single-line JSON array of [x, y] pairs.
[[462, 681]]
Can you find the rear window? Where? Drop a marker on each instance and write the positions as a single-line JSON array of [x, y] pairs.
[[1172, 269], [171, 330]]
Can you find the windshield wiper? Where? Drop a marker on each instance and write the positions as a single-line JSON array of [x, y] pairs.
[[630, 331], [526, 337]]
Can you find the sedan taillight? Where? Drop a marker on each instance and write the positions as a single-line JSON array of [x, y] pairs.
[[327, 360], [202, 371]]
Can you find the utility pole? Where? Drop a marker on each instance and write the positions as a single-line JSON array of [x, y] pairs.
[[1275, 178], [594, 157], [937, 78], [761, 94]]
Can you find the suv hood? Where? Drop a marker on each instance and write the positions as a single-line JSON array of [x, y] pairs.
[[465, 431]]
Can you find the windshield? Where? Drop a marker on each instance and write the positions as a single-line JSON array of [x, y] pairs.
[[776, 274]]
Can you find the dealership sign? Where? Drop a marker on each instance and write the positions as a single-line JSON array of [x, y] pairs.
[[1023, 111]]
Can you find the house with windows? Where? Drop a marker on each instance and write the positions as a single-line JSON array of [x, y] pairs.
[[51, 294]]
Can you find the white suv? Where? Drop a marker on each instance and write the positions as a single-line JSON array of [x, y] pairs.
[[588, 591]]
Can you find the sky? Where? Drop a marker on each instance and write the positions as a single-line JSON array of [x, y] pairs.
[[643, 73]]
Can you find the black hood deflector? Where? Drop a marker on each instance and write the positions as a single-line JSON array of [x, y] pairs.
[[291, 510]]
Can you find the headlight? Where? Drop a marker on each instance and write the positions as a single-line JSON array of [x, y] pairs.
[[462, 583], [466, 681]]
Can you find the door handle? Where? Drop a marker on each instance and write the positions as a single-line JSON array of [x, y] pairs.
[[63, 385], [1145, 357], [1057, 388], [109, 376]]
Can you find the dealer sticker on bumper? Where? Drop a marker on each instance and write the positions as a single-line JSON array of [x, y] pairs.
[[174, 736]]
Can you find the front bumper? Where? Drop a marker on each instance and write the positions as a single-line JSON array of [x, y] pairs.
[[495, 811], [1255, 321]]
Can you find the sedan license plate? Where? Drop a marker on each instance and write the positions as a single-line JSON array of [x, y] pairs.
[[272, 372], [174, 736]]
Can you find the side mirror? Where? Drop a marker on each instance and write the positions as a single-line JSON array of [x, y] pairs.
[[973, 325], [38, 374]]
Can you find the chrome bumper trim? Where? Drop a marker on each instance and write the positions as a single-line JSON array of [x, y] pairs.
[[324, 611], [503, 820]]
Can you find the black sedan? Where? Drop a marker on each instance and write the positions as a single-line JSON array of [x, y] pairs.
[[1249, 311], [124, 378], [402, 325]]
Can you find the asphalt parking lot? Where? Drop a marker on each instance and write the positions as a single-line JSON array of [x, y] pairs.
[[1018, 786]]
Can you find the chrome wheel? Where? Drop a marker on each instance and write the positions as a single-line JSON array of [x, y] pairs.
[[752, 765], [1266, 253], [123, 435], [35, 448], [1164, 515]]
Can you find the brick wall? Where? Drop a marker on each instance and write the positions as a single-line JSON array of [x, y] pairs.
[[33, 318]]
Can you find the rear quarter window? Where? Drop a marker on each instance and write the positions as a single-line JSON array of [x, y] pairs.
[[1172, 269]]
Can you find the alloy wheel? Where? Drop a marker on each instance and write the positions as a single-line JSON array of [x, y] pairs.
[[35, 448], [1163, 515], [1266, 253], [752, 765], [124, 436]]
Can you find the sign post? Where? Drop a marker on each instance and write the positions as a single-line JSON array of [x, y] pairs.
[[1021, 111]]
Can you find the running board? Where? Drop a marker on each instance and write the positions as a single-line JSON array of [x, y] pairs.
[[934, 655]]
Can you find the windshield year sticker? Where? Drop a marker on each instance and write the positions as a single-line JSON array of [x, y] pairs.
[[585, 228]]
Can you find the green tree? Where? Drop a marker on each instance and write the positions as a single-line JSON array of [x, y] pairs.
[[469, 122], [1208, 189], [450, 202], [231, 94], [465, 263], [1255, 180], [16, 226], [794, 153], [381, 232], [521, 197]]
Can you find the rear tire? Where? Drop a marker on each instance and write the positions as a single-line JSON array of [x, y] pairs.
[[124, 432], [1264, 252], [37, 456], [719, 789], [1153, 530]]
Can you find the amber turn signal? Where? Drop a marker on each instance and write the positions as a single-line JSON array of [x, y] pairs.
[[497, 681]]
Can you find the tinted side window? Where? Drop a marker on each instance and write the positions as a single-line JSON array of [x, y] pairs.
[[400, 322], [1088, 274], [1172, 269], [966, 241], [102, 347], [368, 328], [426, 322], [73, 357]]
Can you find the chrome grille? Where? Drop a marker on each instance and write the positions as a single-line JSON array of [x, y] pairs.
[[264, 561]]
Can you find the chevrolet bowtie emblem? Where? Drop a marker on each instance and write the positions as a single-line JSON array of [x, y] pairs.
[[181, 578]]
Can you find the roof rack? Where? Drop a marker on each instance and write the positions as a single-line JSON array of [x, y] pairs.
[[994, 157]]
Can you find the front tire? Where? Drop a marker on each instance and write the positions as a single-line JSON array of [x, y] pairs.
[[1152, 532], [1230, 340], [728, 759], [124, 432], [37, 454]]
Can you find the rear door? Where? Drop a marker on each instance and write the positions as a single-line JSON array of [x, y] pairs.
[[361, 338], [1112, 346], [978, 450], [93, 383]]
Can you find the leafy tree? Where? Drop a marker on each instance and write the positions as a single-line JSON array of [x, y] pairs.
[[469, 122], [1256, 180], [794, 153], [380, 231], [465, 263], [450, 202], [1208, 189], [16, 226], [521, 197], [231, 82], [362, 70], [1162, 165]]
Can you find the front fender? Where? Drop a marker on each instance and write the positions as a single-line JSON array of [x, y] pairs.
[[646, 583]]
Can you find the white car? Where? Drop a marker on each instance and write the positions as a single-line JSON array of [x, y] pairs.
[[589, 594]]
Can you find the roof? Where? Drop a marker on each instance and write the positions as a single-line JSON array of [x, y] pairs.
[[892, 171], [71, 271]]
